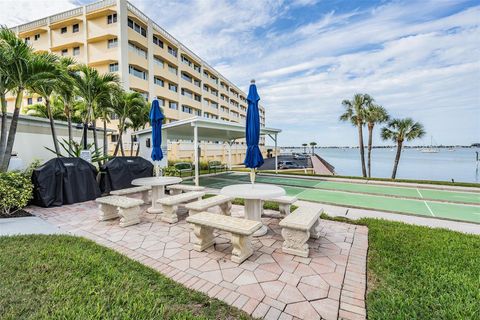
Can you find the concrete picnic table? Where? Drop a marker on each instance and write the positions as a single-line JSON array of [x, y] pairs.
[[158, 189], [254, 195]]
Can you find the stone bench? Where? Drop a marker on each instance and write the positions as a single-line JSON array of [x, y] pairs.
[[179, 188], [170, 204], [241, 229], [224, 202], [298, 227], [144, 190], [284, 204], [127, 209]]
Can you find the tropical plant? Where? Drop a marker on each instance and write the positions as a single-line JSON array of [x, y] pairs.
[[15, 191], [128, 104], [74, 149], [313, 144], [304, 145], [399, 130], [5, 86], [24, 69], [92, 87], [138, 120], [374, 114], [66, 93], [355, 114]]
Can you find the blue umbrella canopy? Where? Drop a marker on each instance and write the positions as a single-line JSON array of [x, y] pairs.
[[156, 118], [254, 158]]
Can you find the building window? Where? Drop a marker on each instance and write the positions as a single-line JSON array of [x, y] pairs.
[[173, 105], [36, 37], [197, 68], [112, 43], [138, 28], [186, 77], [187, 109], [115, 137], [158, 81], [113, 67], [196, 82], [137, 72], [187, 93], [158, 42], [172, 87], [64, 52], [29, 101], [172, 51], [76, 51], [139, 51], [198, 98], [158, 61], [39, 99], [173, 69], [63, 30], [27, 40], [197, 112], [75, 28], [114, 116], [111, 18]]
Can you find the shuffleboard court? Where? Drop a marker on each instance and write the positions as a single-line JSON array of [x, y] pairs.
[[413, 201]]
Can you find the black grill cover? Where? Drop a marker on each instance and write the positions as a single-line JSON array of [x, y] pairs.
[[119, 172], [64, 181]]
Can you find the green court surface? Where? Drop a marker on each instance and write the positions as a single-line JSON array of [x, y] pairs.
[[422, 201]]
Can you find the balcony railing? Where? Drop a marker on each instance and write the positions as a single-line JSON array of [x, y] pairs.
[[67, 14]]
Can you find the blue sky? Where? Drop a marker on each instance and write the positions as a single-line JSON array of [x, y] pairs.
[[416, 58]]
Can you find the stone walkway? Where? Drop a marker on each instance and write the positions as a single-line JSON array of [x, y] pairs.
[[329, 284]]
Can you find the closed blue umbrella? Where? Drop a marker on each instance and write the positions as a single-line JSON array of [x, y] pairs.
[[156, 118], [253, 158]]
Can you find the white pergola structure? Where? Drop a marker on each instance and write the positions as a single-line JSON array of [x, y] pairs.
[[204, 129]]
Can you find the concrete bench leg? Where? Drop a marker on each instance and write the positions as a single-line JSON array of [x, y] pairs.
[[204, 237], [315, 230], [107, 212], [242, 247], [169, 214], [192, 212], [129, 216], [284, 209], [295, 242], [225, 208], [174, 192], [145, 197]]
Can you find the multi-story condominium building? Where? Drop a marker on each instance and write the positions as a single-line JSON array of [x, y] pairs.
[[114, 36]]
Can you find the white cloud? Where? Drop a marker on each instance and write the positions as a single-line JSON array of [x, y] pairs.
[[15, 12]]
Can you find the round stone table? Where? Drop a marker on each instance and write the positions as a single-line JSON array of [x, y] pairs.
[[254, 195], [158, 189]]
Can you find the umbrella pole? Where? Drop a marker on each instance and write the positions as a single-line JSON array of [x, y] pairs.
[[252, 176]]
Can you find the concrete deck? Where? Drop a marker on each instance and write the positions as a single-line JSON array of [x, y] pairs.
[[26, 225], [329, 284]]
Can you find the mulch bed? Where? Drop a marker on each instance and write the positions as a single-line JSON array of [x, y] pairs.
[[17, 214]]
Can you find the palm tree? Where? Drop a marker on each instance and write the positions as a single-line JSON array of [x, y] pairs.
[[399, 130], [138, 120], [355, 113], [304, 145], [66, 93], [105, 110], [128, 104], [44, 87], [5, 87], [313, 144], [40, 110], [92, 87], [373, 114], [24, 69]]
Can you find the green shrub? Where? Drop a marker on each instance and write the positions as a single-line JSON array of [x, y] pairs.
[[170, 171], [15, 191]]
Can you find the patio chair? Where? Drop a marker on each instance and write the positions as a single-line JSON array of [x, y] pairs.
[[184, 167]]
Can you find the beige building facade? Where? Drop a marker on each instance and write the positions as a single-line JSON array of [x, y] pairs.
[[114, 36]]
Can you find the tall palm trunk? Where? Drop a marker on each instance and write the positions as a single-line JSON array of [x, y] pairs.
[[131, 145], [3, 130], [69, 122], [370, 142], [52, 126], [138, 150], [362, 150], [119, 141], [95, 136], [105, 142], [12, 132], [397, 158]]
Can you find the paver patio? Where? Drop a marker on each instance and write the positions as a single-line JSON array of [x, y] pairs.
[[329, 284]]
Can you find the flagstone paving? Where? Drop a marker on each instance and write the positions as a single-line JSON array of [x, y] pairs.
[[329, 284]]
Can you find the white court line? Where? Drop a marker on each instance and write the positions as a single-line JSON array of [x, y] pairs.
[[419, 193], [431, 212]]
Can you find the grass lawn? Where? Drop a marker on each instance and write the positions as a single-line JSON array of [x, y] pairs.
[[421, 273], [73, 278]]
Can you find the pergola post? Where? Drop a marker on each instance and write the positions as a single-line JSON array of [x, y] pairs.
[[276, 155], [230, 142], [195, 155]]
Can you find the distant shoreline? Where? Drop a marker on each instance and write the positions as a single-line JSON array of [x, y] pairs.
[[385, 147]]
